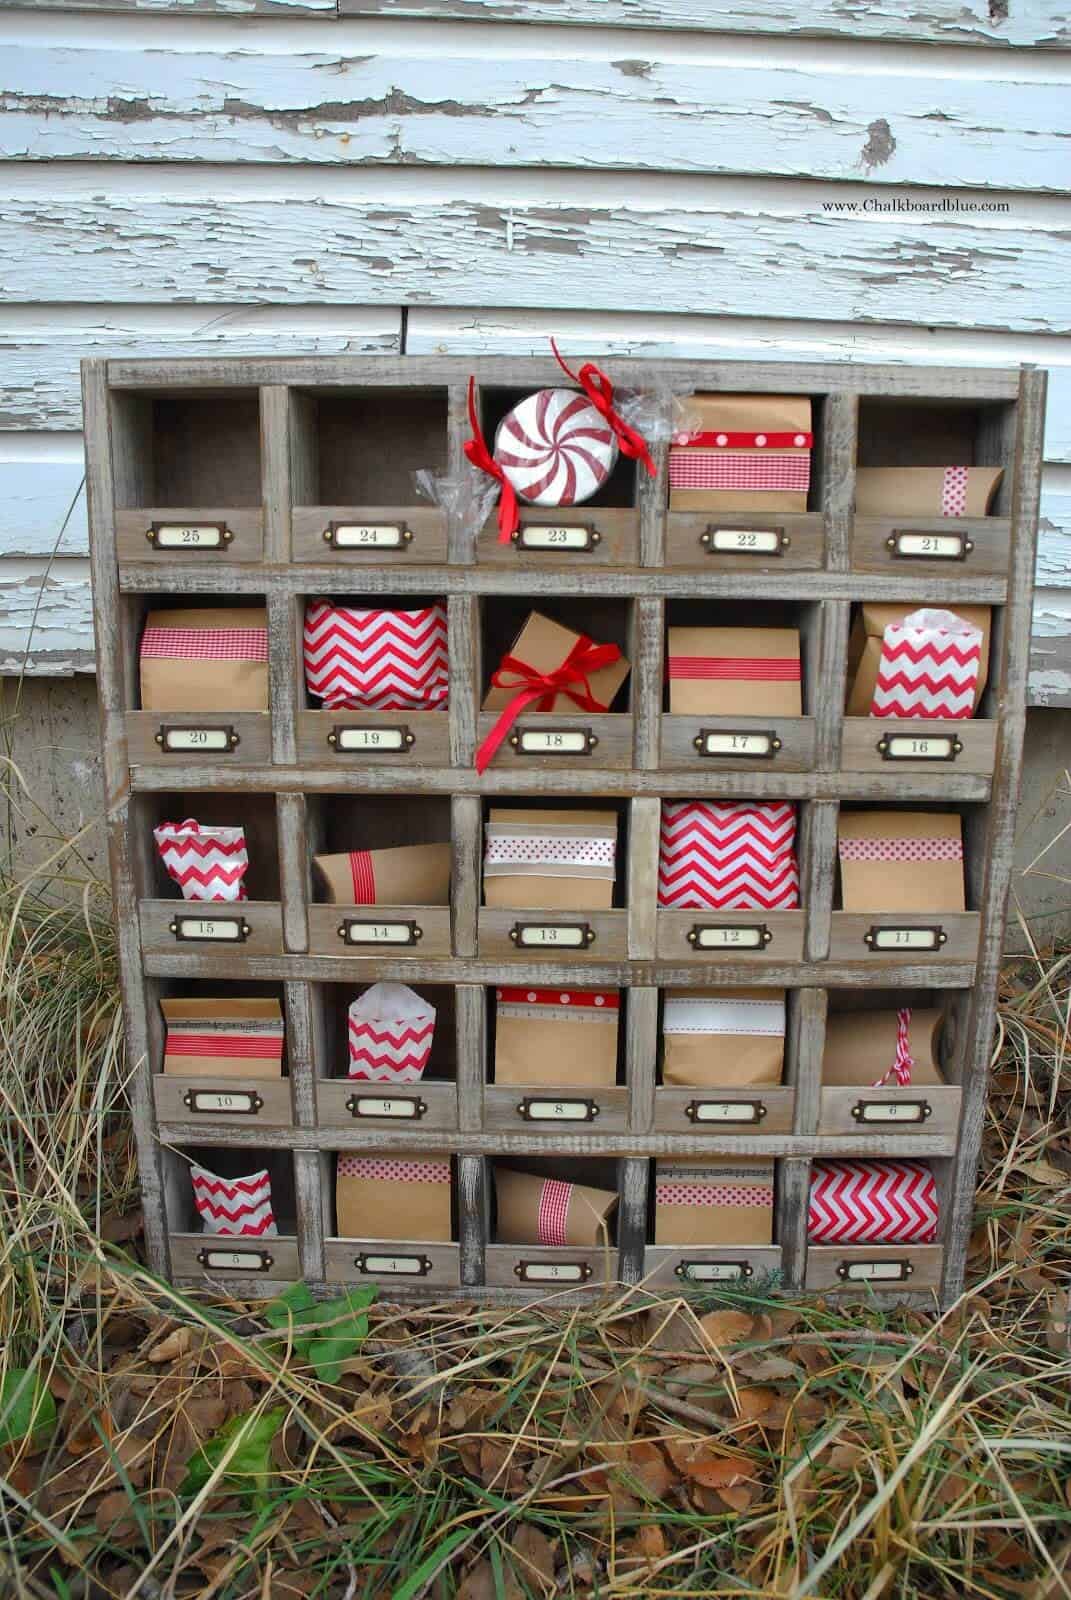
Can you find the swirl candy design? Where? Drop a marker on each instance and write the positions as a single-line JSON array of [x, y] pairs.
[[555, 448]]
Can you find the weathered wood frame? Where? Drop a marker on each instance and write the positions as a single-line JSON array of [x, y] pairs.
[[473, 573]]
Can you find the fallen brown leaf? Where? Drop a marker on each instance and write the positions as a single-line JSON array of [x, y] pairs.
[[726, 1327]]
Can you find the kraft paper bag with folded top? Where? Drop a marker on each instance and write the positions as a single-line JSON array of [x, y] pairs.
[[742, 452], [550, 860], [535, 1210], [872, 1202], [223, 1038], [407, 875], [393, 1197], [543, 645], [728, 1201], [745, 672], [926, 491], [551, 1038], [901, 861], [882, 1049], [723, 1038], [917, 661], [205, 660]]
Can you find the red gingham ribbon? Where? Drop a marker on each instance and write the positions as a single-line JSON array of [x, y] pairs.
[[570, 678], [205, 644], [903, 1063], [364, 878], [553, 1214], [700, 469], [760, 669], [600, 391]]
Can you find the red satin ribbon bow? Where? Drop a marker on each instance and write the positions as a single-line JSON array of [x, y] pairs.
[[600, 391], [570, 678], [478, 453]]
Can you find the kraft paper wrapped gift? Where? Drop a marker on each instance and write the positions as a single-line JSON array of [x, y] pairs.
[[896, 669], [201, 659], [208, 862], [223, 1038], [925, 491], [544, 646], [552, 1038], [234, 1206], [742, 452], [872, 1202], [391, 1031], [393, 1197], [723, 1038], [882, 1049], [406, 875], [550, 860], [901, 861], [744, 672], [536, 1210], [376, 660], [729, 855], [721, 1201]]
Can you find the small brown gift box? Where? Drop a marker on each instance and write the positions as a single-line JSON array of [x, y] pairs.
[[534, 1210], [550, 860], [543, 645], [868, 633], [862, 1047], [408, 875], [925, 491], [741, 672], [393, 1197], [223, 1038], [726, 1201], [742, 452], [548, 1038], [202, 659], [723, 1038], [901, 861]]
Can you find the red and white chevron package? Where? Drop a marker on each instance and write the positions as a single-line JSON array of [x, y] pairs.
[[929, 667], [240, 1038], [391, 1029], [234, 1205], [376, 660], [551, 1211], [207, 862], [729, 855], [872, 1202], [393, 1197]]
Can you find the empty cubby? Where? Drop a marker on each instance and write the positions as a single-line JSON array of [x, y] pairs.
[[361, 447], [191, 449]]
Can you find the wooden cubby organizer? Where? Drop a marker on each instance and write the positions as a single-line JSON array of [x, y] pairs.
[[226, 481]]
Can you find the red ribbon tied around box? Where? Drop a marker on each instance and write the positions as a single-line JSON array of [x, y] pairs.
[[569, 678]]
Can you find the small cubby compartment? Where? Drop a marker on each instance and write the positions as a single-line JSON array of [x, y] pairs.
[[405, 1069], [712, 1224], [377, 896], [567, 736], [187, 474], [553, 1222], [218, 1052], [892, 1063], [942, 519], [172, 924], [353, 456], [368, 659], [912, 1191], [254, 1189], [555, 1060], [763, 692], [390, 1216], [725, 1064], [576, 910], [195, 680]]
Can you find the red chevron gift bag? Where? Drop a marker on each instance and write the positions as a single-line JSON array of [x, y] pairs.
[[391, 1029], [376, 660], [207, 862], [234, 1205], [728, 856], [929, 667], [872, 1202]]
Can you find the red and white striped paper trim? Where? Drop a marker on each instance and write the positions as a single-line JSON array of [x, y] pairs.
[[717, 439], [714, 1194], [553, 1215], [900, 849], [756, 669], [709, 469], [205, 644], [363, 874], [578, 999], [954, 492], [380, 1170], [260, 1047]]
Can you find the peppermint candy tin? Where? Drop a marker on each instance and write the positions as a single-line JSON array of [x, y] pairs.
[[555, 448]]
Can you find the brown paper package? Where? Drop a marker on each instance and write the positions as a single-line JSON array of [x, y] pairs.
[[745, 413], [384, 1208], [575, 1052], [735, 697], [917, 491], [544, 645], [861, 1047], [864, 647], [536, 892], [409, 875], [245, 1014], [204, 685], [884, 886], [723, 1060], [517, 1196], [717, 1224]]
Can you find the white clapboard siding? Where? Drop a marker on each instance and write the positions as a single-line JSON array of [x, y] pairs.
[[413, 93]]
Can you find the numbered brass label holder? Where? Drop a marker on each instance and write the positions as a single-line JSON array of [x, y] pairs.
[[167, 731]]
